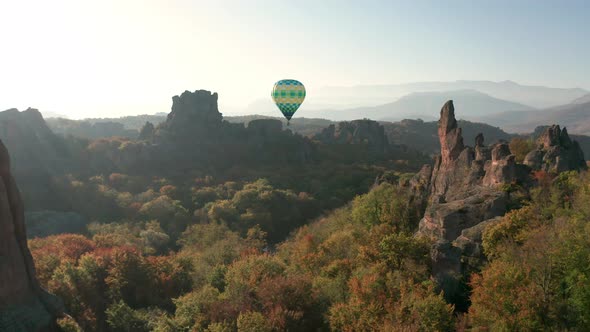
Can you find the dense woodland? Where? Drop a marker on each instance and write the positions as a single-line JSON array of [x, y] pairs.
[[358, 268], [206, 225]]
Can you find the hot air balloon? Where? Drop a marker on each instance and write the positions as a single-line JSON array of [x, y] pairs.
[[288, 95]]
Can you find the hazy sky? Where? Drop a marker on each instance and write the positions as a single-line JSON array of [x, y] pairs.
[[113, 57]]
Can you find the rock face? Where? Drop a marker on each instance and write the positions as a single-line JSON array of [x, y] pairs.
[[37, 154], [556, 152], [367, 132], [195, 133], [193, 113], [464, 191], [24, 306]]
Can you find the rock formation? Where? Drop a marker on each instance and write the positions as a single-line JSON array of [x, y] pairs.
[[556, 152], [24, 306], [367, 132], [194, 114], [37, 154], [466, 190], [195, 133], [32, 144]]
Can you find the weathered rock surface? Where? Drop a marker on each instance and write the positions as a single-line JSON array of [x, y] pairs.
[[464, 181], [463, 192], [466, 191], [556, 152], [24, 305]]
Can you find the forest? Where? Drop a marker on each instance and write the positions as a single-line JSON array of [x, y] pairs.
[[201, 224], [294, 166], [357, 268]]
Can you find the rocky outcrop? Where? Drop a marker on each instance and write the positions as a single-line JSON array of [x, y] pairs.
[[37, 155], [196, 135], [194, 107], [502, 168], [556, 152], [24, 306], [33, 145], [366, 132], [467, 191], [464, 190], [451, 140], [464, 182], [194, 114]]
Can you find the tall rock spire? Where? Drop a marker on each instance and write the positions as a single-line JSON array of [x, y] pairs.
[[451, 140]]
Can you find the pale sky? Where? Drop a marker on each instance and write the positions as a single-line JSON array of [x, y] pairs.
[[85, 58]]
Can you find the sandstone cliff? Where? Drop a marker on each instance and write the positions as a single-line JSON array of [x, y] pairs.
[[24, 306]]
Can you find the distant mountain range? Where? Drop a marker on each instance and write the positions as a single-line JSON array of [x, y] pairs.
[[372, 95], [411, 100], [424, 105], [574, 116]]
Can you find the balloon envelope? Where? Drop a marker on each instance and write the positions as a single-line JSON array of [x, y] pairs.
[[288, 95]]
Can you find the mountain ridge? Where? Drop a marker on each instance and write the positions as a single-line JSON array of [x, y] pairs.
[[532, 95], [574, 116]]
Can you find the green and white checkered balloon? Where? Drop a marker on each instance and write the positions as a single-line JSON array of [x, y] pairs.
[[288, 95]]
